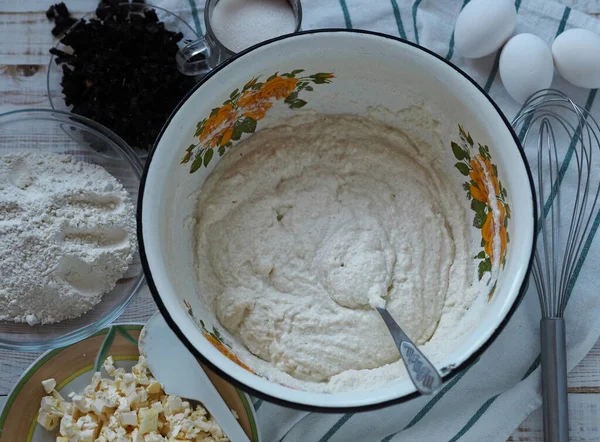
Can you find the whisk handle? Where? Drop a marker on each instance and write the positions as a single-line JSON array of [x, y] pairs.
[[554, 380]]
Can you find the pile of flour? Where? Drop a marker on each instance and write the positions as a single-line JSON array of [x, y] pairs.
[[67, 235], [304, 227]]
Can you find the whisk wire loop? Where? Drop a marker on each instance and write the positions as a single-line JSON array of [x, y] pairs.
[[564, 227], [559, 247]]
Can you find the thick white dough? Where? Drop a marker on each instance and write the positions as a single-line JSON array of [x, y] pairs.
[[302, 228]]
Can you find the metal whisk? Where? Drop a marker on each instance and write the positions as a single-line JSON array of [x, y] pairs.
[[564, 225]]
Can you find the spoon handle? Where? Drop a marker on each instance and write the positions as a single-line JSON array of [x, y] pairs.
[[421, 371], [179, 371]]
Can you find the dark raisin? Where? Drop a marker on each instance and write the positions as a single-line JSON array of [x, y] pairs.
[[120, 71]]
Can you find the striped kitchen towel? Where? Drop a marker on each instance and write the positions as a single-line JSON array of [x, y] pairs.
[[493, 395]]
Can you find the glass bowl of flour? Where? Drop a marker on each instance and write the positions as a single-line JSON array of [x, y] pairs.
[[68, 249]]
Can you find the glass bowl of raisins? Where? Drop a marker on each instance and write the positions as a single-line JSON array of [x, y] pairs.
[[117, 66]]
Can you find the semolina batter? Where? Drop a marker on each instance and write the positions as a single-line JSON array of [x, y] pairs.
[[303, 228]]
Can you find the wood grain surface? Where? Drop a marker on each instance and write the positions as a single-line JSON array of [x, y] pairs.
[[24, 42]]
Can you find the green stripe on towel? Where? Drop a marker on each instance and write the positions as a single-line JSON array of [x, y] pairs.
[[347, 18], [451, 47], [421, 414], [197, 23], [414, 17], [336, 427], [398, 17], [494, 71], [474, 419]]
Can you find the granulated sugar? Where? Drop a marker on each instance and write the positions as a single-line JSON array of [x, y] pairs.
[[67, 234], [239, 24]]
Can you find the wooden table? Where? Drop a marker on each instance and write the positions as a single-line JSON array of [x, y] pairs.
[[24, 42]]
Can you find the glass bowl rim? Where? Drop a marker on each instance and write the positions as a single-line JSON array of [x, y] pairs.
[[135, 164]]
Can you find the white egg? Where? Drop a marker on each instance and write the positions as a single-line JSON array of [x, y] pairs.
[[483, 26], [525, 66], [577, 57]]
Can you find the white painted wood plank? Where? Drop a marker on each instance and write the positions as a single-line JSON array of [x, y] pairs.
[[23, 86], [25, 36], [588, 6], [12, 365], [584, 421], [42, 5], [585, 378]]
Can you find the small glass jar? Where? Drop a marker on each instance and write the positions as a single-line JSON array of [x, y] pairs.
[[202, 55]]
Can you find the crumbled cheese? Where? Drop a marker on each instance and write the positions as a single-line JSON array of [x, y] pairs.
[[136, 436], [67, 408], [173, 405], [129, 418], [56, 395], [68, 427], [148, 420], [83, 404], [98, 405], [123, 405], [50, 412], [130, 407], [109, 366], [153, 437], [86, 436], [154, 387], [49, 385]]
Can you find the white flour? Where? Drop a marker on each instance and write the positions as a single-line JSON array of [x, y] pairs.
[[67, 234], [304, 227]]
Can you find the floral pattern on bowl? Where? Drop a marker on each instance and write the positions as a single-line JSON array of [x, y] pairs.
[[241, 112], [216, 339], [485, 190]]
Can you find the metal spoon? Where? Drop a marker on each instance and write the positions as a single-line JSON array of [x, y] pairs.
[[422, 372], [181, 375]]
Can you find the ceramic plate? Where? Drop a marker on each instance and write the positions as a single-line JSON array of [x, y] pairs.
[[73, 367]]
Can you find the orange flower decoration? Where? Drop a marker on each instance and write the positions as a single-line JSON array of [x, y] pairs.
[[225, 116], [254, 105], [482, 174], [278, 88], [249, 98], [242, 110], [226, 136], [220, 137], [491, 227], [259, 111], [225, 351]]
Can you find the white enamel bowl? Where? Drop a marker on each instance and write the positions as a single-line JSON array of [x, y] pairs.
[[348, 72]]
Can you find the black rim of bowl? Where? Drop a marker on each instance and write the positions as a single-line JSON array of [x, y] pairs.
[[155, 294]]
